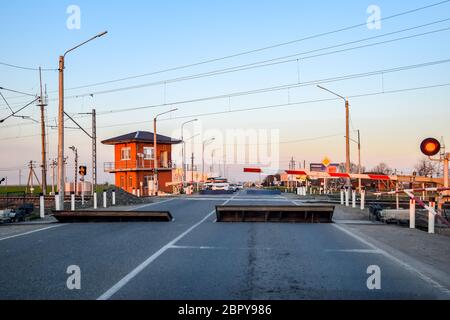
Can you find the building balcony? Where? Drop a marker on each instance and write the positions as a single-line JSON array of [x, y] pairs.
[[130, 165]]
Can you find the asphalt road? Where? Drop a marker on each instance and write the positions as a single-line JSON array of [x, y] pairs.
[[195, 257]]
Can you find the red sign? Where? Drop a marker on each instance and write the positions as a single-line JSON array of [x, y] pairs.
[[252, 170]]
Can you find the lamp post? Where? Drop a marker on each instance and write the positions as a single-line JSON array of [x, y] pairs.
[[61, 177], [184, 149], [205, 143], [347, 134], [155, 146]]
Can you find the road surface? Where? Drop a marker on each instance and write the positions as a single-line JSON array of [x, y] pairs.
[[195, 257]]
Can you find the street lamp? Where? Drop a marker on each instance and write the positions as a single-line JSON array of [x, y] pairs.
[[347, 134], [183, 153], [155, 146], [205, 143], [61, 177]]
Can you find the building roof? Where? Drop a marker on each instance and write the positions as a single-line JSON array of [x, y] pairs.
[[142, 137]]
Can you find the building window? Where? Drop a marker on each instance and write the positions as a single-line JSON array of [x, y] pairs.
[[122, 182], [149, 153], [126, 153], [131, 182]]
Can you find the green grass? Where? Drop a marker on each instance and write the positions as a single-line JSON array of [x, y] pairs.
[[38, 190]]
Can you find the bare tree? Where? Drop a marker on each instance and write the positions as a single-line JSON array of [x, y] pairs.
[[427, 168], [382, 168]]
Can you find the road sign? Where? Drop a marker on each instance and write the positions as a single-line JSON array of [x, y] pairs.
[[326, 162]]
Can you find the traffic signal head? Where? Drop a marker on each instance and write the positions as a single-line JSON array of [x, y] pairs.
[[83, 171], [430, 147]]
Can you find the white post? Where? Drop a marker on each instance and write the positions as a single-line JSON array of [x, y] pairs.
[[105, 205], [42, 207], [134, 191], [139, 193], [342, 197], [72, 202], [397, 201], [95, 201], [57, 204], [363, 199], [82, 193], [353, 198], [347, 196], [431, 218], [114, 198], [412, 214]]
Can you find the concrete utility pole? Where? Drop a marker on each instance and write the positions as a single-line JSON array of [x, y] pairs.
[[94, 151], [192, 168], [347, 135], [42, 104], [205, 143], [31, 174], [75, 150], [61, 113]]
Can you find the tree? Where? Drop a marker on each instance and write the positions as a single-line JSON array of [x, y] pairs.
[[382, 168], [427, 168]]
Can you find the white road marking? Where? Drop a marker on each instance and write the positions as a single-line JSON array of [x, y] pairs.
[[405, 265], [355, 251], [151, 204], [31, 232], [123, 282]]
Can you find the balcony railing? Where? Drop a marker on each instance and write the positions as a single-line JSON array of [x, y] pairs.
[[133, 165]]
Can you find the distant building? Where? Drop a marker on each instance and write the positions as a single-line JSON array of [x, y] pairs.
[[133, 164]]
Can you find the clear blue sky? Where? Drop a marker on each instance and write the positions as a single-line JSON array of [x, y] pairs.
[[147, 36]]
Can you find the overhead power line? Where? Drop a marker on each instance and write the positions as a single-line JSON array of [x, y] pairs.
[[247, 67], [268, 89], [25, 68], [276, 106], [267, 63], [318, 35]]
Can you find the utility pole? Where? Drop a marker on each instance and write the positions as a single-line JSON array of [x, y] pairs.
[[42, 104], [31, 174], [53, 166], [75, 150], [192, 168], [359, 161], [94, 151]]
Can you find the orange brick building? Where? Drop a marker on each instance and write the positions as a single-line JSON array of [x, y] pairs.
[[133, 164]]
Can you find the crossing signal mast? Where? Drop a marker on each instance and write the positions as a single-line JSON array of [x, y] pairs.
[[431, 147]]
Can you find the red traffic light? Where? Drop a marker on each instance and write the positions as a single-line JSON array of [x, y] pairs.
[[430, 147]]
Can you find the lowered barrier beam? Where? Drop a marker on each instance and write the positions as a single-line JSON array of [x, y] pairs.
[[112, 216], [284, 214]]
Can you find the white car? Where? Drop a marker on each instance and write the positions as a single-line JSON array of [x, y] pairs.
[[220, 186]]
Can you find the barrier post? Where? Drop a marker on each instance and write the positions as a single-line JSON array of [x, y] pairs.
[[431, 218], [353, 198], [57, 207], [105, 204], [363, 199], [347, 196], [72, 201], [95, 201], [113, 197], [412, 214], [342, 197], [42, 206]]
